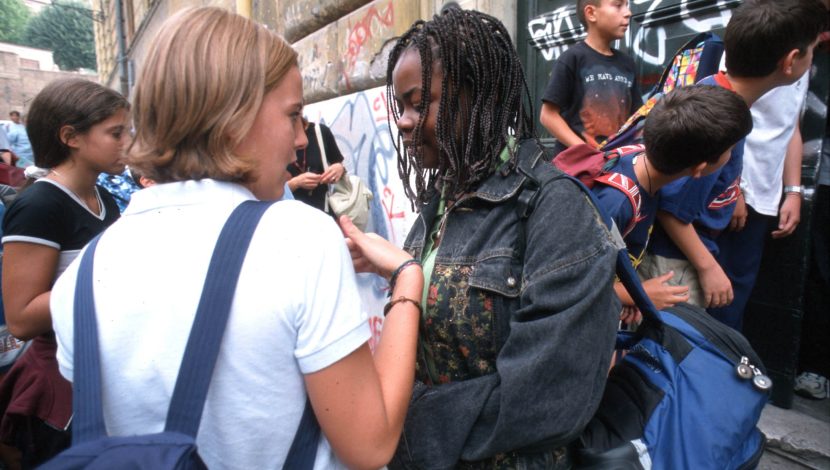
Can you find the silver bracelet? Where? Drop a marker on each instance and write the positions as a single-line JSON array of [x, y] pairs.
[[794, 189]]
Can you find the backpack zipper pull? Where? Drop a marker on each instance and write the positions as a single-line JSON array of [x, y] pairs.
[[761, 381], [743, 369]]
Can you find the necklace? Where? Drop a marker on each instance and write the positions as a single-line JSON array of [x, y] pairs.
[[81, 200], [304, 167]]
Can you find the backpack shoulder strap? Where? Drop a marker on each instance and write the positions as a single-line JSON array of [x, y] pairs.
[[88, 421], [202, 350], [630, 188], [531, 155], [203, 344]]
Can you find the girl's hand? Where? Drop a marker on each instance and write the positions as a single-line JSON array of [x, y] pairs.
[[332, 174], [370, 252], [307, 180]]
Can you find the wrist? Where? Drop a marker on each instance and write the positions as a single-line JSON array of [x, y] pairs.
[[410, 283], [794, 190], [407, 265]]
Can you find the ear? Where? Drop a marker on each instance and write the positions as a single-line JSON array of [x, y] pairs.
[[590, 13], [68, 136], [786, 62], [697, 171]]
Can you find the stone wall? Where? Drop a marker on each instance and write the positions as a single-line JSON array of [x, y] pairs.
[[343, 44]]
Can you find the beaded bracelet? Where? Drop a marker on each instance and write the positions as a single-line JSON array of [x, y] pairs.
[[392, 303], [396, 272]]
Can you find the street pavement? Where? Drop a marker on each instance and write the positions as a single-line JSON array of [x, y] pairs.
[[798, 438]]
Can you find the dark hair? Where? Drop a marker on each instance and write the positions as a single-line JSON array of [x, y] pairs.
[[762, 32], [694, 124], [14, 113], [580, 10], [484, 100], [73, 102]]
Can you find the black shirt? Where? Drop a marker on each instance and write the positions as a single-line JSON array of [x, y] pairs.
[[49, 214], [595, 93], [309, 159]]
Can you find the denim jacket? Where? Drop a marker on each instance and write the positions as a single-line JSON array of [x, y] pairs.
[[519, 326]]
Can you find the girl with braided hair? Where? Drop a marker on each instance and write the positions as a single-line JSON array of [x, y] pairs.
[[519, 315]]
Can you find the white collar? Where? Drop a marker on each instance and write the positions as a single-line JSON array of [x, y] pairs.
[[186, 193], [79, 201]]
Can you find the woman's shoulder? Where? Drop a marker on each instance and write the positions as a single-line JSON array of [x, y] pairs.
[[41, 195], [306, 223]]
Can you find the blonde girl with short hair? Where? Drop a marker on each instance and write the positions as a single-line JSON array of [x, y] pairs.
[[218, 116]]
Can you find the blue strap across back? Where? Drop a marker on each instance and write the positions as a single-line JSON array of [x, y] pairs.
[[192, 383]]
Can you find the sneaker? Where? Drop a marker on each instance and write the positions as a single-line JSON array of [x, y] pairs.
[[812, 385]]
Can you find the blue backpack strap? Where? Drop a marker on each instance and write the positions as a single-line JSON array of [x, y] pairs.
[[88, 420], [202, 349], [196, 370]]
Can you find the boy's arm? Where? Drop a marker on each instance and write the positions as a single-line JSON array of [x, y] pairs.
[[790, 212], [739, 215], [553, 121], [657, 289], [717, 289]]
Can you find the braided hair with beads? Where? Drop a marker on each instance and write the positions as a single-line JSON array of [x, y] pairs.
[[484, 101]]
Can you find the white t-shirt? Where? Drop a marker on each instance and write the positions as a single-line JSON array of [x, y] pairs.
[[296, 311], [773, 119]]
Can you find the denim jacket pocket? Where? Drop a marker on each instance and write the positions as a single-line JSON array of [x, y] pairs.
[[501, 274]]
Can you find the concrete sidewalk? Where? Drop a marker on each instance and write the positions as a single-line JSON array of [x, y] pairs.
[[798, 438]]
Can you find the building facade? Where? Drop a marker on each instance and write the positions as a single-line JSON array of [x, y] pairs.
[[24, 71]]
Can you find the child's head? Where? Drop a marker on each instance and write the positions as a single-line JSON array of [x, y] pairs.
[[763, 35], [15, 117], [67, 110], [608, 17], [207, 76], [694, 125], [457, 93]]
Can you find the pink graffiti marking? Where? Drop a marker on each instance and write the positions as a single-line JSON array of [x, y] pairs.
[[388, 202], [362, 33], [379, 107]]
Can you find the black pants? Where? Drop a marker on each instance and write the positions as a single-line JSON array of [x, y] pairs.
[[815, 327]]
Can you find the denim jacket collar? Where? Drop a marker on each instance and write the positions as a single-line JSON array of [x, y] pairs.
[[498, 187]]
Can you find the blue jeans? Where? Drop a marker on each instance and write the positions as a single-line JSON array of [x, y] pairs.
[[740, 257]]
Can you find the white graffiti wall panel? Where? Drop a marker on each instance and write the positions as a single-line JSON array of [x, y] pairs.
[[359, 124], [552, 32]]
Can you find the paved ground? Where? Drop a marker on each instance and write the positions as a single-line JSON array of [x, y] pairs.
[[798, 438]]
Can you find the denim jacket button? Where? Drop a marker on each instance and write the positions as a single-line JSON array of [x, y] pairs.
[[511, 281]]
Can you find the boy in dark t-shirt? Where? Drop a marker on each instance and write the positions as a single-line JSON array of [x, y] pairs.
[[681, 142], [593, 87]]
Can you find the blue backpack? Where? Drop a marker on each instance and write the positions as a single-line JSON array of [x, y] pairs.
[[175, 447], [687, 395]]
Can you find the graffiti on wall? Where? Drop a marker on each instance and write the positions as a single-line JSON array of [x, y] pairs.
[[551, 32], [348, 54], [375, 22], [653, 21], [359, 124]]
